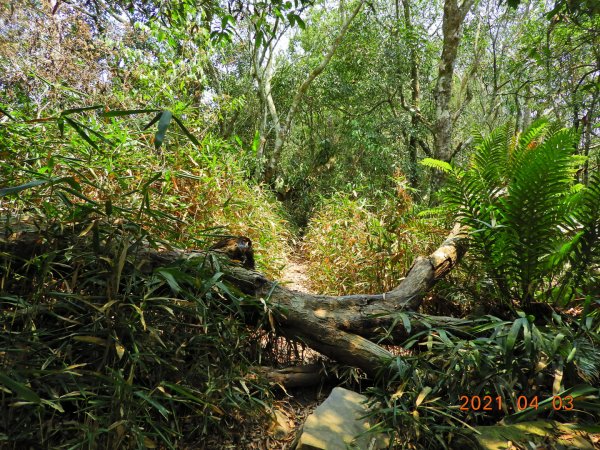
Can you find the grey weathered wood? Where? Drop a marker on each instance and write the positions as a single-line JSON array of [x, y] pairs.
[[342, 327]]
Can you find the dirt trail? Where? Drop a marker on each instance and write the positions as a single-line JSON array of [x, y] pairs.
[[294, 275]]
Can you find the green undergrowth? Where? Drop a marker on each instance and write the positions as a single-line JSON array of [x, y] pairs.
[[97, 349], [103, 349], [482, 371], [185, 194], [353, 246]]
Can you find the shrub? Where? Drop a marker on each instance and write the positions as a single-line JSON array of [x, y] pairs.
[[181, 193], [353, 247], [534, 230]]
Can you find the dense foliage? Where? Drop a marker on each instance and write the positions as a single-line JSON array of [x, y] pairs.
[[353, 247], [532, 227], [118, 356], [131, 126], [507, 361]]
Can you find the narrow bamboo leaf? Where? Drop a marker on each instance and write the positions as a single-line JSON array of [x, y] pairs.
[[76, 110], [152, 179], [424, 393], [406, 322], [572, 354], [589, 406], [20, 389], [163, 124], [170, 279], [95, 133], [79, 195], [211, 282], [64, 199], [41, 120], [53, 405], [512, 337], [160, 408], [153, 121], [185, 392], [141, 314], [91, 340], [14, 189], [70, 181], [61, 127], [122, 260], [81, 133], [190, 136], [126, 112], [527, 337]]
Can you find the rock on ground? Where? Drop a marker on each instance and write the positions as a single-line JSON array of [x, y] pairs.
[[336, 424]]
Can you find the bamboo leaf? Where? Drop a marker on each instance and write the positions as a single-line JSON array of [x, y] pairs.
[[14, 189], [170, 279], [424, 393], [160, 408], [20, 389], [91, 340], [512, 337], [153, 121], [81, 133], [126, 112], [190, 136], [163, 124], [76, 110]]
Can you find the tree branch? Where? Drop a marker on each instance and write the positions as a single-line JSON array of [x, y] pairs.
[[414, 111]]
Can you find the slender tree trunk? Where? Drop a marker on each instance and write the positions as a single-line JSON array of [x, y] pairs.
[[415, 101], [282, 127], [454, 16], [588, 121]]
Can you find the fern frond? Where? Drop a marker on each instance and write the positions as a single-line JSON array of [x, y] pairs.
[[437, 164], [490, 160], [527, 141], [536, 204], [585, 218]]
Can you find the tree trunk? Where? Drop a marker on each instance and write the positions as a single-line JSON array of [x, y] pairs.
[[341, 327], [415, 98], [337, 327], [454, 16], [264, 76]]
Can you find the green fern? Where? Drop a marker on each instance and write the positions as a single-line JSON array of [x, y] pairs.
[[437, 164], [528, 223], [584, 224]]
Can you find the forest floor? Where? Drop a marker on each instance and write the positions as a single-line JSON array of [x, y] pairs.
[[293, 405], [295, 276]]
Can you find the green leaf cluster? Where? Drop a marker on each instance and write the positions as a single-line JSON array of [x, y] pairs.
[[532, 227]]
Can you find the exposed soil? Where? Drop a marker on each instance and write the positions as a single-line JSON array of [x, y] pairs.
[[294, 276]]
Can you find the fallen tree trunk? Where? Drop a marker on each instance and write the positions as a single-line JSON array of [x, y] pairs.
[[293, 377], [341, 328]]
